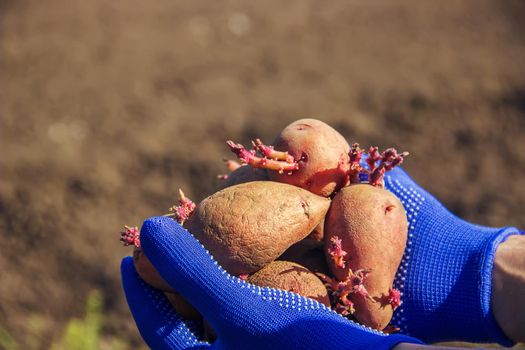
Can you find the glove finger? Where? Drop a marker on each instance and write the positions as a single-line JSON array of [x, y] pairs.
[[158, 323], [188, 267]]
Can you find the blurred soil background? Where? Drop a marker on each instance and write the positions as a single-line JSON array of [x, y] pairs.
[[108, 107]]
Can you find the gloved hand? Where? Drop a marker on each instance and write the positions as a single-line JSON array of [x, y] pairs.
[[445, 275], [244, 316]]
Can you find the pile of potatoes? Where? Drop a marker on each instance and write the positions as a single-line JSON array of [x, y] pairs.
[[300, 216]]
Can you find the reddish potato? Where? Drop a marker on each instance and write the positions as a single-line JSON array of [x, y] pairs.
[[307, 153], [291, 277], [247, 226], [322, 154], [372, 226]]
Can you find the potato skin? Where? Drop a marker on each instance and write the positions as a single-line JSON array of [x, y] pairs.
[[150, 275], [183, 308], [247, 226], [292, 277], [308, 253], [372, 224], [322, 153], [318, 233], [244, 174], [147, 272]]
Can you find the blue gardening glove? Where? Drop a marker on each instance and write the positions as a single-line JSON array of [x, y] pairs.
[[445, 276], [244, 316]]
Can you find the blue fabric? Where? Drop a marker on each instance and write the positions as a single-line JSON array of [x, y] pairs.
[[446, 273], [243, 315]]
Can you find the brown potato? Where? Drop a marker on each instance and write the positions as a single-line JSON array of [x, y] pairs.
[[308, 253], [150, 275], [147, 272], [372, 224], [318, 233], [244, 174], [183, 308], [291, 277], [247, 226], [322, 154]]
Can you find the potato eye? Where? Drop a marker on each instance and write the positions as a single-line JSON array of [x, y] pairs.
[[304, 157], [389, 208]]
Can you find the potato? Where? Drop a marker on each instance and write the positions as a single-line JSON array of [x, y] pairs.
[[308, 253], [150, 275], [318, 233], [183, 308], [291, 277], [244, 174], [147, 272], [322, 154], [247, 226], [372, 225]]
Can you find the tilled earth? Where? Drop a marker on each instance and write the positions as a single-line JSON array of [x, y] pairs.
[[107, 108]]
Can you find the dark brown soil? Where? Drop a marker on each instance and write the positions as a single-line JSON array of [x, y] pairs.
[[107, 108]]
